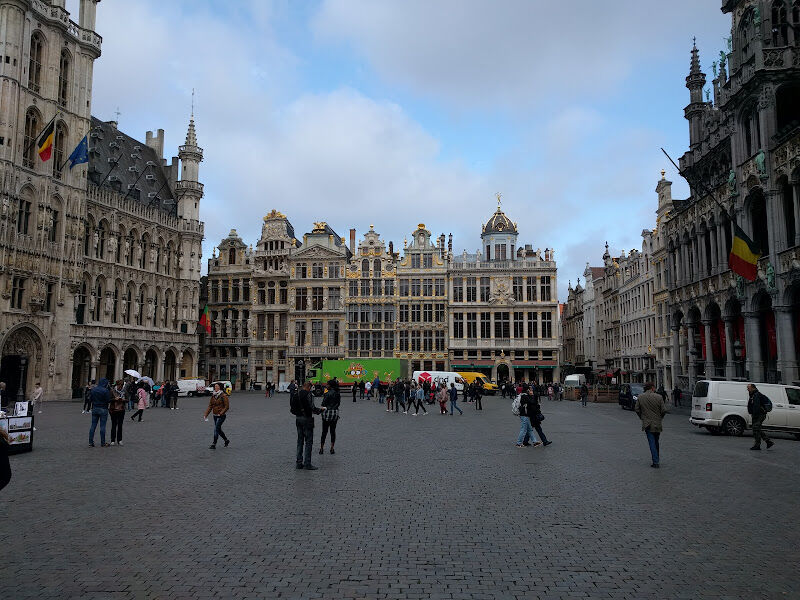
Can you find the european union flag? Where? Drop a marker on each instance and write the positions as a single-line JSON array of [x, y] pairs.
[[80, 154]]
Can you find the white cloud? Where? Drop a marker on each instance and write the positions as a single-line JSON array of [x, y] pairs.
[[514, 53]]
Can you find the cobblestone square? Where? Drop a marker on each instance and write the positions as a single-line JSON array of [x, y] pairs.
[[408, 507]]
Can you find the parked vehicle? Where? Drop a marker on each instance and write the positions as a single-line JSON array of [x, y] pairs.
[[575, 380], [191, 387], [446, 377], [226, 386], [353, 370], [469, 377], [628, 393], [721, 407]]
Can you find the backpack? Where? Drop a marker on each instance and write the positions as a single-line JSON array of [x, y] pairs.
[[515, 405], [766, 404], [295, 407]]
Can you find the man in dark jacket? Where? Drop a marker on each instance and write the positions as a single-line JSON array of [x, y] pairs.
[[755, 406], [454, 400], [305, 427], [100, 397], [533, 410], [676, 396], [477, 394]]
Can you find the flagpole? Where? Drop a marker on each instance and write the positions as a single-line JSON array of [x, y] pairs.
[[61, 168], [704, 189], [135, 182]]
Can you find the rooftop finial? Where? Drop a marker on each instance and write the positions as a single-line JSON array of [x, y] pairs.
[[499, 196], [192, 103]]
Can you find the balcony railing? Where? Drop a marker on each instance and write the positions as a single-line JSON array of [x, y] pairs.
[[316, 351]]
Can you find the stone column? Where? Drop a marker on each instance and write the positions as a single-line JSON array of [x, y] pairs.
[[712, 233], [787, 352], [730, 357], [93, 371], [118, 365], [701, 253], [796, 201], [690, 356], [707, 324], [752, 336]]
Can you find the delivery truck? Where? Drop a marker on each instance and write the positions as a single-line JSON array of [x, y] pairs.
[[353, 370]]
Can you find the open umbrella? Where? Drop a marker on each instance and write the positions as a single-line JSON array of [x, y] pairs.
[[147, 380], [133, 373]]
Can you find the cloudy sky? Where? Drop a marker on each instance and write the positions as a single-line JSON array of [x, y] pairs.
[[394, 113]]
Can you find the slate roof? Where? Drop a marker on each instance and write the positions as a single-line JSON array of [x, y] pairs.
[[107, 145], [499, 223]]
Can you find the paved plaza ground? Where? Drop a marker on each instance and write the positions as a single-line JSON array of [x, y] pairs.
[[408, 507]]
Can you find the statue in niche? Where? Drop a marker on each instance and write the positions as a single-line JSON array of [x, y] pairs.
[[136, 309], [112, 246], [150, 310], [770, 276], [124, 307], [127, 248], [761, 160], [109, 304], [95, 239], [732, 183], [92, 300]]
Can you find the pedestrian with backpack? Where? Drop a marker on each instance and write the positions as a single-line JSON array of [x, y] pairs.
[[758, 406], [302, 407]]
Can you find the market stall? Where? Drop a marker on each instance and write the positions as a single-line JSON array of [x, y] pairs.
[[18, 424]]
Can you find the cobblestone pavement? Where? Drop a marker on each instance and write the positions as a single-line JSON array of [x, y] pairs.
[[408, 507]]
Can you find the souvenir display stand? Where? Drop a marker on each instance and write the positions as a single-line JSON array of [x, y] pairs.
[[18, 424]]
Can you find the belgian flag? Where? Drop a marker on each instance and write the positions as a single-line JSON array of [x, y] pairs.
[[205, 322], [743, 259], [44, 144]]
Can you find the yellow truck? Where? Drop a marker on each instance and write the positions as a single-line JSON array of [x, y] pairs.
[[470, 377]]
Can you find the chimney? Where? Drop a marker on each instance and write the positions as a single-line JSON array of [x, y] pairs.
[[156, 142], [353, 241], [450, 243], [391, 249]]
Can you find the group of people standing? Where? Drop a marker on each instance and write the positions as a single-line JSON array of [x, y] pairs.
[[301, 404]]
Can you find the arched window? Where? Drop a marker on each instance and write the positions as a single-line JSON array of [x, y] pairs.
[[745, 35], [232, 256], [758, 220], [80, 316], [145, 243], [99, 251], [166, 309], [158, 258], [376, 265], [365, 268], [751, 131], [87, 237], [796, 15], [129, 243], [155, 308], [780, 24], [140, 319], [32, 124], [59, 145], [63, 78], [787, 104], [98, 301], [35, 64], [129, 301]]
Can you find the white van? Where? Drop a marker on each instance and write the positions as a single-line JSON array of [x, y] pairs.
[[438, 377], [576, 380], [721, 407], [191, 387]]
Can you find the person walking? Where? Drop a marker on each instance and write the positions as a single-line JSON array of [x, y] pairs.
[[304, 411], [419, 396], [99, 398], [172, 386], [534, 411], [526, 408], [758, 406], [219, 405], [399, 395], [477, 394], [651, 410], [354, 390], [389, 396], [454, 400], [141, 395], [330, 415], [442, 397], [87, 398], [361, 389], [37, 398], [116, 410], [584, 393], [368, 390], [676, 396]]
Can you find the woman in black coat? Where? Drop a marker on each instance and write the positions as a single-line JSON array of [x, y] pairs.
[[330, 414]]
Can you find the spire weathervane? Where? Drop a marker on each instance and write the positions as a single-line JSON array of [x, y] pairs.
[[193, 103], [499, 196]]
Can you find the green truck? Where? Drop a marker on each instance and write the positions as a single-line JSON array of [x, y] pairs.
[[353, 370]]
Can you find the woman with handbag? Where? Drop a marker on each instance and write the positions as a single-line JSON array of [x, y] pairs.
[[537, 417], [219, 405], [116, 410]]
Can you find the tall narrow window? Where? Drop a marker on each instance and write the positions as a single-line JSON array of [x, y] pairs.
[[758, 217], [780, 24], [59, 145], [232, 256], [63, 78], [35, 64], [23, 216], [547, 325], [32, 125], [53, 234]]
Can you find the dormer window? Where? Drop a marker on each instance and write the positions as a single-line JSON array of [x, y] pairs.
[[232, 256]]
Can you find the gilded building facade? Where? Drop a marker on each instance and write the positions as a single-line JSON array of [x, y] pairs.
[[100, 263], [370, 300], [503, 307]]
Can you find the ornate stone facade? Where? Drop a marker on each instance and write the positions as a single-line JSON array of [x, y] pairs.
[[99, 264], [503, 307]]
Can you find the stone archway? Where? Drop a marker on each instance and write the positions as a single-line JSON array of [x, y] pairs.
[[81, 370], [169, 365], [503, 372], [107, 365], [187, 364], [150, 362], [130, 360], [21, 362]]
